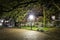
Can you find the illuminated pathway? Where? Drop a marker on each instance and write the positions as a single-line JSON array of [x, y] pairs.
[[21, 34]]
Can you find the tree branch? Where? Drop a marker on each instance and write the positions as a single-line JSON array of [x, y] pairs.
[[19, 5], [56, 6]]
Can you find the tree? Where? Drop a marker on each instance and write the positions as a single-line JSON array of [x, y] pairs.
[[17, 9]]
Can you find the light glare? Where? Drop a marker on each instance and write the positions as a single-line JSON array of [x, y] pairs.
[[31, 17]]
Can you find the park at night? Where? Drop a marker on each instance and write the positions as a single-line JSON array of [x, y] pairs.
[[29, 19]]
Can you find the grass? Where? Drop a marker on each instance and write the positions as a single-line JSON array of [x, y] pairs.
[[28, 27], [35, 28]]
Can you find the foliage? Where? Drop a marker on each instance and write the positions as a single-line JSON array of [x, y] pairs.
[[18, 9]]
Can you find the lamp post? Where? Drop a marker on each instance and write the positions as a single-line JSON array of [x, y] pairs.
[[31, 18]]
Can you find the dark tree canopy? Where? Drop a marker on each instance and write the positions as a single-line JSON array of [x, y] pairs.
[[15, 8], [9, 5]]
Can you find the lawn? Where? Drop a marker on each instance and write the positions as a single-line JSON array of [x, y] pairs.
[[29, 28], [35, 28]]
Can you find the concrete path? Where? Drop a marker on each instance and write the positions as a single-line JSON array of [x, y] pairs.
[[21, 34]]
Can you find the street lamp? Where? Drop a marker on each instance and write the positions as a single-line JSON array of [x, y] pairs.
[[31, 18]]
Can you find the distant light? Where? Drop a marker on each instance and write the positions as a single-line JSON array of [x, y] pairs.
[[53, 17], [0, 24], [6, 21], [1, 20]]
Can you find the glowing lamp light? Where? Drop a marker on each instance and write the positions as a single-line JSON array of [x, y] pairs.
[[1, 20], [53, 17], [0, 24], [31, 17], [6, 21]]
